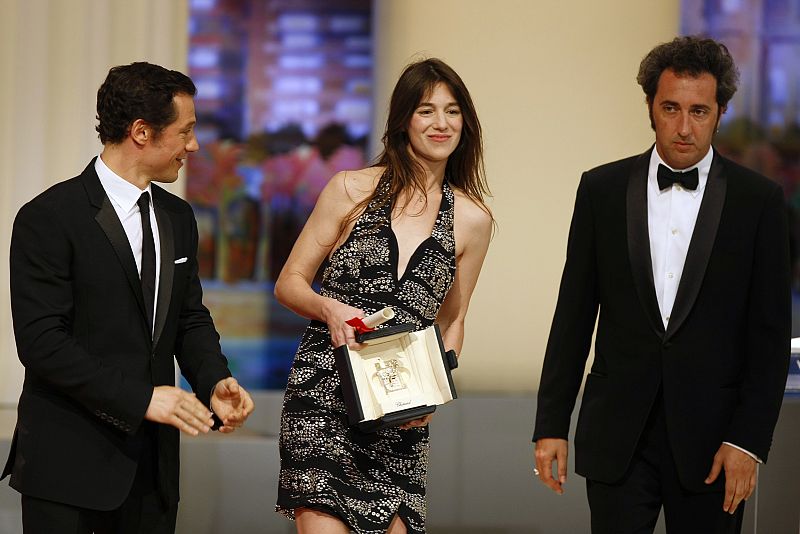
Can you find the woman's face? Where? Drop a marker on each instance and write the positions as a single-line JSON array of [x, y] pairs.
[[435, 127]]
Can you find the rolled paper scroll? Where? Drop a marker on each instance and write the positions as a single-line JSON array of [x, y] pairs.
[[378, 318]]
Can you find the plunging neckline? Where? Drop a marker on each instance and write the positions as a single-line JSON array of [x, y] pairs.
[[394, 244]]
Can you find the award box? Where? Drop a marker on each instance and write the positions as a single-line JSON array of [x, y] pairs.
[[397, 376]]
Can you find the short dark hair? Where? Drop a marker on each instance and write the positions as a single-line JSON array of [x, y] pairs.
[[692, 55], [138, 91]]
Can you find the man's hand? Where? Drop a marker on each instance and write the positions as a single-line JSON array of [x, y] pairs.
[[232, 403], [546, 452], [740, 475], [170, 405]]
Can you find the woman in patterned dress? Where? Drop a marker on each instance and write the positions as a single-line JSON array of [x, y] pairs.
[[411, 233]]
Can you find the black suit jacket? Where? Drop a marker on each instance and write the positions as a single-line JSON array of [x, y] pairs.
[[722, 361], [82, 335]]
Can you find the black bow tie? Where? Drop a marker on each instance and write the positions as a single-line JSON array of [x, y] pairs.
[[667, 178]]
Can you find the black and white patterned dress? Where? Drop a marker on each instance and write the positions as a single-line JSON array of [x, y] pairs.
[[362, 478]]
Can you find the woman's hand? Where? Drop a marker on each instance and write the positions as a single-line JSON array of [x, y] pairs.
[[336, 314], [422, 421]]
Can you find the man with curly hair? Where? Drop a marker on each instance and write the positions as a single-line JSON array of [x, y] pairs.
[[685, 255]]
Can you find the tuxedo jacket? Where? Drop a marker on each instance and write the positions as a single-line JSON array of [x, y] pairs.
[[83, 338], [722, 361]]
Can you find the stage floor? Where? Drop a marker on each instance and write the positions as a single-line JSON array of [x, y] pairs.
[[480, 478]]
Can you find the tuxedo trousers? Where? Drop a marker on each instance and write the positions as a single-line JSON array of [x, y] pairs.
[[632, 505], [142, 512]]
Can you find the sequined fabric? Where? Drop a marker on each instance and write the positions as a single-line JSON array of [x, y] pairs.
[[362, 478]]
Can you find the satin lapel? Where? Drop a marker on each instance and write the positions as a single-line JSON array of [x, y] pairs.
[[705, 232], [639, 241], [109, 222], [166, 237]]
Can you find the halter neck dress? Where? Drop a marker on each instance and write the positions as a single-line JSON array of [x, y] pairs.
[[364, 479]]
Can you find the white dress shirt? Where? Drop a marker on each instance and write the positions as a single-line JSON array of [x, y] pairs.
[[671, 216], [124, 197]]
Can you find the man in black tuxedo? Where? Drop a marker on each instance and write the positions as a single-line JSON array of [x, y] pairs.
[[686, 256], [104, 291]]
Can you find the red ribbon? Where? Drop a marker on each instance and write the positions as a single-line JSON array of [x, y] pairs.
[[359, 325]]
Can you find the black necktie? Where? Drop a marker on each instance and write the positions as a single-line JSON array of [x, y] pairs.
[[148, 275], [667, 177]]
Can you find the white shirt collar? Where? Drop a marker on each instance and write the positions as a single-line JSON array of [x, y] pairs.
[[703, 167], [119, 190]]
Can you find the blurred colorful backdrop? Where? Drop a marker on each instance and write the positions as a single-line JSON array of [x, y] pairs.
[[283, 103]]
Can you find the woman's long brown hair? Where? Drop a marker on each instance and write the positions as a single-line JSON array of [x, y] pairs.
[[465, 168]]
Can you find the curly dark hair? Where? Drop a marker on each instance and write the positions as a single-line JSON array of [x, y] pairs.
[[138, 91], [692, 55]]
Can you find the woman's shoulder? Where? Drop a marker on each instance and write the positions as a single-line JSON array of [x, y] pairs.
[[352, 187], [474, 214]]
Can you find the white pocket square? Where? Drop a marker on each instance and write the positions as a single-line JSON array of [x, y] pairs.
[[181, 260]]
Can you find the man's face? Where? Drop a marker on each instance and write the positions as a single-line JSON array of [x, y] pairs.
[[685, 116], [168, 151]]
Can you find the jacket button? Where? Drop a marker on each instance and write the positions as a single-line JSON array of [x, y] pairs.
[[668, 344]]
